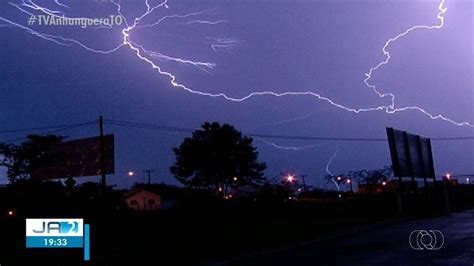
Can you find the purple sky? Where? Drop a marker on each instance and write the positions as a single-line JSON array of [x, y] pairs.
[[321, 46]]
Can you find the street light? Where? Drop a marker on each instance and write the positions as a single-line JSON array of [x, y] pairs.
[[131, 173], [348, 181], [11, 213], [290, 178]]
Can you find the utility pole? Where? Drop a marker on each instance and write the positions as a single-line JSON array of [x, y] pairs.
[[149, 171], [304, 182], [102, 154]]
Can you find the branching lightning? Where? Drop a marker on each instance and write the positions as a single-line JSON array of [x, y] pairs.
[[328, 165], [206, 22], [292, 148], [222, 43], [291, 119], [60, 4], [29, 7]]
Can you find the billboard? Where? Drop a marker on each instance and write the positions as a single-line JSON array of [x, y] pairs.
[[427, 155], [411, 154], [77, 158]]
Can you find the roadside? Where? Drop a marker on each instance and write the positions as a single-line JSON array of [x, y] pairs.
[[328, 236], [383, 245]]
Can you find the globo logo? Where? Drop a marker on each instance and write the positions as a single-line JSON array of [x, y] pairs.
[[426, 239]]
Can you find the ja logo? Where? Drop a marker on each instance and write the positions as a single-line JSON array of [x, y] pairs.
[[426, 239], [60, 227]]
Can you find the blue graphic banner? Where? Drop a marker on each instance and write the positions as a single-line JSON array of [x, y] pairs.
[[54, 241]]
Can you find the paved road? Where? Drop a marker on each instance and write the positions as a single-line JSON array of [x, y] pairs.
[[387, 246]]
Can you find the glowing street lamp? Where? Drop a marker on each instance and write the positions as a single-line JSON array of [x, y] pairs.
[[384, 183], [290, 178], [235, 178], [11, 213], [349, 181], [131, 173], [339, 178]]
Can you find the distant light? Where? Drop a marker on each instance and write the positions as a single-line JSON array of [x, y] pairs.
[[339, 195], [220, 189], [290, 198], [467, 180], [348, 181], [448, 176], [339, 178], [131, 173], [299, 189], [290, 178], [230, 196], [10, 213], [384, 183], [235, 178]]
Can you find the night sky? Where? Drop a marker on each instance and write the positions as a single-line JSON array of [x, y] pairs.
[[325, 47]]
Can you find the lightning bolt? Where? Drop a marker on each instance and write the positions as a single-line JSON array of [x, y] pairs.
[[196, 21], [291, 119], [148, 56], [292, 148], [60, 4], [222, 43], [328, 165], [388, 109]]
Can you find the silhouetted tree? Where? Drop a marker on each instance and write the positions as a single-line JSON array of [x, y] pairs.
[[372, 177], [216, 157], [367, 177], [339, 179], [20, 160]]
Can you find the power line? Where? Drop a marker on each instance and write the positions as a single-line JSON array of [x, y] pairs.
[[61, 128], [314, 138], [453, 138], [269, 136], [130, 124], [33, 129], [148, 126]]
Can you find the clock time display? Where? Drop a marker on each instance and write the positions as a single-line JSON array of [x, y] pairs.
[[55, 242]]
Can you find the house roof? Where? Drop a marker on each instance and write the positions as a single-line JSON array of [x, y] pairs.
[[165, 191], [138, 190]]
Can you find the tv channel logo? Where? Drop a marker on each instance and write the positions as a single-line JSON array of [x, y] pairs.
[[426, 240], [54, 233]]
